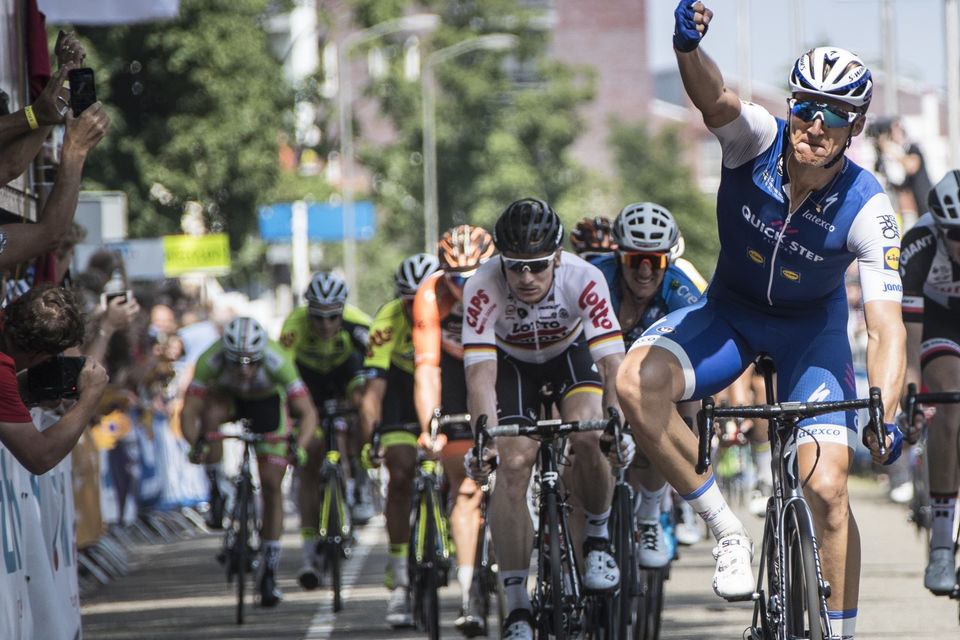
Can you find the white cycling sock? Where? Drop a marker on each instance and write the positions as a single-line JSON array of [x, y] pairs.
[[596, 524], [465, 578], [760, 454], [943, 507], [843, 624], [712, 507], [515, 590], [649, 503], [399, 565]]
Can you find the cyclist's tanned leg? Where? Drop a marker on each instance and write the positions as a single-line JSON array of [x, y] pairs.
[[510, 522], [465, 509], [401, 461], [649, 383], [836, 529], [943, 374], [308, 493], [271, 477], [591, 477]]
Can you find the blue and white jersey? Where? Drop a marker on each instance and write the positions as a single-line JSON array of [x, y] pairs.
[[773, 257], [682, 286]]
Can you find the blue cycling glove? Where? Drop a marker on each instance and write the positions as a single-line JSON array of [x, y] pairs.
[[895, 448], [686, 38]]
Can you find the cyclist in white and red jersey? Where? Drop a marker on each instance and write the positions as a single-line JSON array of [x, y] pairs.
[[539, 315], [792, 214], [930, 269]]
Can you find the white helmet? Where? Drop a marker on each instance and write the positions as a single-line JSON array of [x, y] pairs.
[[245, 340], [833, 73], [944, 200], [413, 271], [326, 289], [645, 226]]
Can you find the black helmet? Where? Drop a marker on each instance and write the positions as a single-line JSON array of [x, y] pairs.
[[944, 200], [528, 226]]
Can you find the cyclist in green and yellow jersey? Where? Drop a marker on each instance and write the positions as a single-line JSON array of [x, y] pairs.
[[388, 401], [327, 339]]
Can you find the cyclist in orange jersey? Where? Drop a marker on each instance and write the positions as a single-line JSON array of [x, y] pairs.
[[439, 381]]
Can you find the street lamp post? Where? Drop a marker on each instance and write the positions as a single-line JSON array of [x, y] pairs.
[[345, 98], [491, 42]]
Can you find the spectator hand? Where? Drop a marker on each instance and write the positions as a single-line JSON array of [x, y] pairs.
[[69, 51], [119, 314], [691, 20], [54, 101], [84, 132], [93, 379]]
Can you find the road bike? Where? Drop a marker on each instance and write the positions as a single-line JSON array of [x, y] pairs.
[[791, 595], [241, 540], [486, 588], [334, 530], [430, 560], [941, 397], [558, 599]]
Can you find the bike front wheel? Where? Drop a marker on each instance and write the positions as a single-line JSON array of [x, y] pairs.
[[241, 544], [803, 616], [649, 604]]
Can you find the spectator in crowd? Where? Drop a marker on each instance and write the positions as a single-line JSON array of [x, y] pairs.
[[38, 325], [901, 162]]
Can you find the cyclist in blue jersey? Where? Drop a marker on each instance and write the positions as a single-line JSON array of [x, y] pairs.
[[647, 280], [793, 212]]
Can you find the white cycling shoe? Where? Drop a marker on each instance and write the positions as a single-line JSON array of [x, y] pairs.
[[518, 626], [653, 552], [733, 578], [941, 574], [600, 571]]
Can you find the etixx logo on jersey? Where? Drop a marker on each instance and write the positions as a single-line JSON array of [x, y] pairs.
[[891, 258]]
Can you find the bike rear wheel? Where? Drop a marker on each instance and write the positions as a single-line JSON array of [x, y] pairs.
[[649, 604], [621, 604], [802, 583]]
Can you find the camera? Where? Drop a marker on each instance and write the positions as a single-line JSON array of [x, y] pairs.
[[55, 378], [82, 91], [105, 298]]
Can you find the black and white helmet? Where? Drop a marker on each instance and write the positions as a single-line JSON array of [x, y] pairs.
[[244, 340], [327, 289], [645, 226], [944, 200], [413, 271], [832, 72]]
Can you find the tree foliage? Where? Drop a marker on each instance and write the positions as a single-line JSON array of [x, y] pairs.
[[650, 169], [196, 104]]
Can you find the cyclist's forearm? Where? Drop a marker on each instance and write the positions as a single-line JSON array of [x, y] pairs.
[[913, 371], [886, 352], [481, 390], [608, 367], [426, 392], [371, 406]]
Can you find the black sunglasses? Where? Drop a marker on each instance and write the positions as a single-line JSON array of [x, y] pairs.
[[533, 265]]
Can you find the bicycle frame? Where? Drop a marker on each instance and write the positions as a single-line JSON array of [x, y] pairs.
[[558, 596], [334, 530], [789, 561]]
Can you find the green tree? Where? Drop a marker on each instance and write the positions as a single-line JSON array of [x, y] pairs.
[[648, 169], [196, 104]]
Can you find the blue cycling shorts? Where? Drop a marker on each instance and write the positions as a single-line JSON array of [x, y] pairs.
[[717, 338]]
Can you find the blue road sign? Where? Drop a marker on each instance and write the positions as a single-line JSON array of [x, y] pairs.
[[324, 221]]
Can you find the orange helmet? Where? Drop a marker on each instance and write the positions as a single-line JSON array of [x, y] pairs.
[[464, 248], [593, 236]]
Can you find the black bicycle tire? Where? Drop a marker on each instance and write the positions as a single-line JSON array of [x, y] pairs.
[[556, 564], [336, 541], [802, 613], [649, 604], [241, 548], [482, 583], [430, 580], [621, 530]]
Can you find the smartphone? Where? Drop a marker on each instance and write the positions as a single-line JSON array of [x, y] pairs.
[[105, 298], [82, 91]]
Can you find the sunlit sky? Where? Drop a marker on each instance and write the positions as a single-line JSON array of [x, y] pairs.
[[851, 24]]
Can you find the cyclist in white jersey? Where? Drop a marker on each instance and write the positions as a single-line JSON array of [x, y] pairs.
[[539, 315], [792, 214]]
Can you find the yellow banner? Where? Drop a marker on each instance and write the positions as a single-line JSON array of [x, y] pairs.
[[196, 254]]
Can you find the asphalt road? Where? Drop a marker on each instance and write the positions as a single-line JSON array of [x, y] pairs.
[[178, 591]]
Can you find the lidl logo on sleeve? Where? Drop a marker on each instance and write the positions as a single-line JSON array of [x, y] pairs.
[[891, 258]]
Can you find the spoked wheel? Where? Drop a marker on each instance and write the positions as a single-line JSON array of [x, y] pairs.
[[486, 589], [552, 568], [649, 604], [803, 615]]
